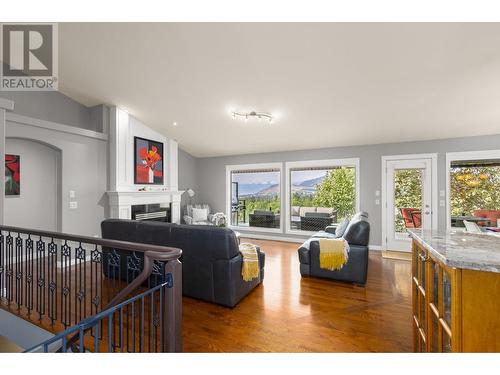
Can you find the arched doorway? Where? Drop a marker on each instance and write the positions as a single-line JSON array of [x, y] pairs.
[[38, 204]]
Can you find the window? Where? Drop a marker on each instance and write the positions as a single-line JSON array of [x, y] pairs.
[[321, 193], [474, 191], [254, 199]]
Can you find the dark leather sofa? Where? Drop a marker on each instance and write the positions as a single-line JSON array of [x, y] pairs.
[[357, 234], [211, 261]]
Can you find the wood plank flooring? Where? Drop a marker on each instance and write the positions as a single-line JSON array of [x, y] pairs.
[[290, 314]]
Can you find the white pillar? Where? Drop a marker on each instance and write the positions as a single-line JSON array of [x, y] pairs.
[[5, 105]]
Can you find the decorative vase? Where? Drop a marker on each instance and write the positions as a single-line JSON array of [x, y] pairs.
[[151, 176]]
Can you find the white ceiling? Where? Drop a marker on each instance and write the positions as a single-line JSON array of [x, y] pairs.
[[328, 84]]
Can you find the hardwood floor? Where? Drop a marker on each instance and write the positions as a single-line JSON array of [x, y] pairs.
[[290, 314]]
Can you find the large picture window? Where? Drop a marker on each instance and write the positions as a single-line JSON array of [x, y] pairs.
[[321, 193], [255, 196], [474, 187]]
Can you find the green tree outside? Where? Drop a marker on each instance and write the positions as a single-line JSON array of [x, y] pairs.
[[338, 190], [407, 194], [474, 188]]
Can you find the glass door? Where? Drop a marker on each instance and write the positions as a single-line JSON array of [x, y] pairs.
[[408, 198]]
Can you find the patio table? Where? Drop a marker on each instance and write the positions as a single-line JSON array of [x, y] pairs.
[[458, 220]]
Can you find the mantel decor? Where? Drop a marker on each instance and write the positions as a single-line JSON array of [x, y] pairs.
[[148, 162]]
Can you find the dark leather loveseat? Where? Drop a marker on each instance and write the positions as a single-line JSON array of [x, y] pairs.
[[357, 234], [211, 261]]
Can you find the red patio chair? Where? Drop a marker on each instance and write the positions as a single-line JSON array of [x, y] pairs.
[[407, 216]]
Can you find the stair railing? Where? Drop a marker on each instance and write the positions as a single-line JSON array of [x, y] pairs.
[[59, 280]]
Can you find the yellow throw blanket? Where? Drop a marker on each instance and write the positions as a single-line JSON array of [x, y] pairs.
[[250, 268], [332, 253]]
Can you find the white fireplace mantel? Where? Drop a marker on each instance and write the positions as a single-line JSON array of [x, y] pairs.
[[123, 191], [121, 202]]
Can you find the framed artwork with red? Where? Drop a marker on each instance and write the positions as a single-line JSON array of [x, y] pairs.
[[12, 174], [148, 162]]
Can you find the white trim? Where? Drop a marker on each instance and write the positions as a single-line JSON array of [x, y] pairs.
[[6, 104], [273, 238], [231, 168], [347, 162], [375, 247], [463, 155], [25, 120], [434, 188]]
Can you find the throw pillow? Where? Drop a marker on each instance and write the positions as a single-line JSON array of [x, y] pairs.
[[339, 232], [200, 214]]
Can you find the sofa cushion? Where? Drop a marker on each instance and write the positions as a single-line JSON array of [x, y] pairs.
[[303, 210], [328, 210], [199, 214], [357, 232], [341, 228]]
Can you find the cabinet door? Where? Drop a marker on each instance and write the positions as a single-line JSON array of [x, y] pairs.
[[434, 295], [420, 314]]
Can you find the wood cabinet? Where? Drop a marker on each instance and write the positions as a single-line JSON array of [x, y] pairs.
[[454, 309]]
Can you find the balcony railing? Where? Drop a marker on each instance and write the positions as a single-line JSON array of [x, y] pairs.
[[65, 283]]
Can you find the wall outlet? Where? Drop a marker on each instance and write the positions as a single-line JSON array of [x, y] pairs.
[[377, 202], [73, 205], [72, 194], [442, 193], [442, 203], [377, 193]]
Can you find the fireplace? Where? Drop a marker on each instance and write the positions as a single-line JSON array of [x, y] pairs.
[[152, 212]]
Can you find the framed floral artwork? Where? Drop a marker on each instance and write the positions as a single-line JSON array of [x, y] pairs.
[[148, 162], [12, 174]]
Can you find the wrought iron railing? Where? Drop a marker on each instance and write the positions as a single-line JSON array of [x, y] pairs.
[[59, 280], [131, 326]]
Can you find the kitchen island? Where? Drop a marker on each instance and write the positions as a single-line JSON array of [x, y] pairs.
[[456, 291]]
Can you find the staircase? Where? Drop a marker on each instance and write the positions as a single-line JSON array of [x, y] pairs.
[[93, 294]]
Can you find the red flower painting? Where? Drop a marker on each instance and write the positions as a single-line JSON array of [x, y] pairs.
[[12, 174], [148, 161]]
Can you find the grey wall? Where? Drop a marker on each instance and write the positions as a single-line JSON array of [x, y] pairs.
[[56, 107], [37, 206], [84, 160], [188, 177], [84, 170], [212, 171]]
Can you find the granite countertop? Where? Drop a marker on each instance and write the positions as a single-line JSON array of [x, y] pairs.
[[461, 250]]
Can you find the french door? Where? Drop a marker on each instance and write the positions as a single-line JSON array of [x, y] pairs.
[[408, 199]]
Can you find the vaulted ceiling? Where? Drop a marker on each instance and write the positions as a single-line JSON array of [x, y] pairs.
[[328, 84]]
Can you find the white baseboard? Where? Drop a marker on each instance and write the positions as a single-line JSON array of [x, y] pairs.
[[258, 236]]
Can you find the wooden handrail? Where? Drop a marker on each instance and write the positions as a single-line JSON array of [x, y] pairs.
[[174, 253]]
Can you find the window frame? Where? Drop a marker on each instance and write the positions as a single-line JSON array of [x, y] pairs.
[[459, 156], [289, 166], [257, 166]]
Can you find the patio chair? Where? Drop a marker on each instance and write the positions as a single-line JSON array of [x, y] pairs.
[[472, 227], [407, 217]]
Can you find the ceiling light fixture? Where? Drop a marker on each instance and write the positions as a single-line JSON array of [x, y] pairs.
[[248, 115]]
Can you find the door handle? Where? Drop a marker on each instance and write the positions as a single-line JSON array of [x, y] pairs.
[[427, 212]]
